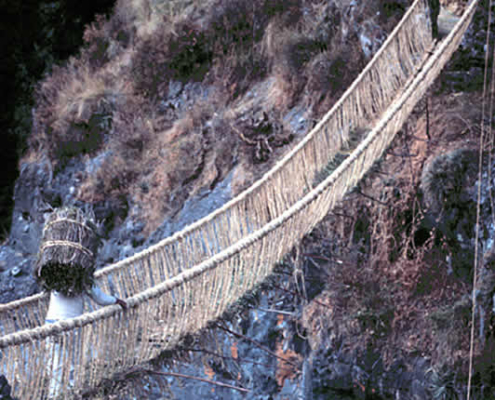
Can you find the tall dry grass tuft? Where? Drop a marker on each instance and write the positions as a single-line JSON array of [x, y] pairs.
[[124, 154], [315, 57], [191, 154], [330, 73], [228, 44], [220, 41], [75, 109], [160, 162], [183, 55], [287, 51], [106, 39], [148, 17]]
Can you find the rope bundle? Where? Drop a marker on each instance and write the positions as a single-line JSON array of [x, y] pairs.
[[66, 259]]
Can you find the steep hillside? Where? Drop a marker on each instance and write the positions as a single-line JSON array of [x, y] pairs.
[[174, 107], [169, 97]]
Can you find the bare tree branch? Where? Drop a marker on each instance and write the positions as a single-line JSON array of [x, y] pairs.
[[177, 375]]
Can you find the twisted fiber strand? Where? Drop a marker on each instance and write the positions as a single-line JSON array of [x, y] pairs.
[[73, 221], [65, 243], [23, 302], [338, 113], [478, 201]]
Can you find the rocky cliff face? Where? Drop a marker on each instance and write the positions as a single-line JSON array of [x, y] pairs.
[[137, 159], [36, 35], [158, 124]]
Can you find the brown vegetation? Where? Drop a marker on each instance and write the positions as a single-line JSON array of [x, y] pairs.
[[174, 94], [390, 285]]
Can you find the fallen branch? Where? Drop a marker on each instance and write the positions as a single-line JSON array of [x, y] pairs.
[[358, 191], [243, 137], [257, 344], [177, 375], [274, 311], [239, 360], [299, 295]]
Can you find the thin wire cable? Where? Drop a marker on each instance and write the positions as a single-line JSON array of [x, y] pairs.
[[478, 202], [490, 135], [252, 55]]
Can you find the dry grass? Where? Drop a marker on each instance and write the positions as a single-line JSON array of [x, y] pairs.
[[75, 109], [229, 44], [147, 17], [390, 287], [110, 100]]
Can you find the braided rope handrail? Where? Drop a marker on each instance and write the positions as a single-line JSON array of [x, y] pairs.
[[267, 198], [223, 277]]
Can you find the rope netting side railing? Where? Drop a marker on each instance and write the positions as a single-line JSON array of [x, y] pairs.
[[109, 340], [277, 190]]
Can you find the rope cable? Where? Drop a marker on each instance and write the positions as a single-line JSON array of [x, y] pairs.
[[478, 203], [490, 135]]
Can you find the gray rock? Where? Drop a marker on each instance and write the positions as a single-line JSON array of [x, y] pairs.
[[4, 389], [126, 251], [174, 88], [194, 209], [371, 37], [108, 252], [297, 120], [16, 281], [27, 218]]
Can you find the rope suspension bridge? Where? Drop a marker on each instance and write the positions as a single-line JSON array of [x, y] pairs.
[[178, 285]]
